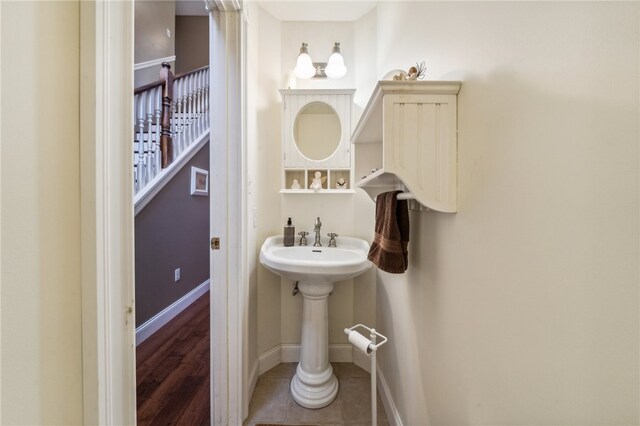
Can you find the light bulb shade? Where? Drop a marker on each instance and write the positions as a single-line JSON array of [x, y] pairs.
[[304, 66], [335, 65]]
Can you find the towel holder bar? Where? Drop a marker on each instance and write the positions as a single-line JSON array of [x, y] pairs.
[[405, 196], [401, 196]]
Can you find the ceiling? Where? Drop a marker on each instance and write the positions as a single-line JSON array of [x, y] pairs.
[[317, 10], [300, 10]]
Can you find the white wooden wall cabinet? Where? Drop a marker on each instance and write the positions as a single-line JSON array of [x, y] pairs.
[[296, 165], [408, 132]]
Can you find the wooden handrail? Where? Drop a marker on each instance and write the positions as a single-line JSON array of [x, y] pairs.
[[148, 87], [161, 82], [178, 76]]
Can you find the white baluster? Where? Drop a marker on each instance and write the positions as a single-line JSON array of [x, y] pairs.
[[149, 132], [173, 122], [157, 156], [204, 100], [178, 86], [192, 105], [183, 108], [207, 100], [142, 163], [200, 128], [196, 128], [175, 134], [135, 142]]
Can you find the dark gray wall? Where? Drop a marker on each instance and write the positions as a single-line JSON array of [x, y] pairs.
[[152, 19], [171, 232], [192, 43]]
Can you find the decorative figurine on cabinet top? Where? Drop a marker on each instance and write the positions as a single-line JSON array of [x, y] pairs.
[[414, 73]]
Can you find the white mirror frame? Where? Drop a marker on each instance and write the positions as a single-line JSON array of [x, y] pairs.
[[294, 101]]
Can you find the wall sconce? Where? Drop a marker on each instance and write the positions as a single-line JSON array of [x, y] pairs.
[[333, 68], [304, 67]]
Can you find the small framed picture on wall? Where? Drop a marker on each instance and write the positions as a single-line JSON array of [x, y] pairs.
[[199, 182]]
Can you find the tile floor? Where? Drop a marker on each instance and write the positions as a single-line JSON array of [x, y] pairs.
[[272, 403]]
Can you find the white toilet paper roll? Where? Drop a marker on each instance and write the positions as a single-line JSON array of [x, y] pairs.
[[360, 342]]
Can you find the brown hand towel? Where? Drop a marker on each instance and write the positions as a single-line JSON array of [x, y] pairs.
[[389, 248]]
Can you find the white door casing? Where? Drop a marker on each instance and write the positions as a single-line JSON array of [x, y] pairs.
[[227, 213], [108, 335]]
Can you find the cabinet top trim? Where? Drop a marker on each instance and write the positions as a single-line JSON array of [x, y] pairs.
[[418, 86], [317, 91]]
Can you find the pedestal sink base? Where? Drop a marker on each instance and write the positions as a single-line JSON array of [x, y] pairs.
[[314, 390], [315, 269], [314, 385]]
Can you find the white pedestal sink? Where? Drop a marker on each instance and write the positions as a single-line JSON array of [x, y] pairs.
[[316, 269]]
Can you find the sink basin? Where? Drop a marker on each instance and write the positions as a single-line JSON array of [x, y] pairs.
[[308, 263], [316, 269]]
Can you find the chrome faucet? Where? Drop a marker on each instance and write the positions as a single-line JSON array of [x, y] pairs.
[[316, 228]]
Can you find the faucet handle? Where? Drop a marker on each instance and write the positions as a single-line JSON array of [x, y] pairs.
[[332, 239], [303, 238]]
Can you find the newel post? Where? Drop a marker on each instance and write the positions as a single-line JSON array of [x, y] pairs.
[[166, 144]]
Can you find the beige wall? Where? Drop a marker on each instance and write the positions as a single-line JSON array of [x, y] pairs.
[[522, 308], [336, 210], [40, 229], [192, 43], [366, 76], [263, 156], [279, 313]]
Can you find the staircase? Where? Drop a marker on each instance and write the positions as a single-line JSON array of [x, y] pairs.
[[171, 123]]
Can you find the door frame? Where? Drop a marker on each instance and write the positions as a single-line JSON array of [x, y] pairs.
[[107, 219], [106, 211], [228, 212]]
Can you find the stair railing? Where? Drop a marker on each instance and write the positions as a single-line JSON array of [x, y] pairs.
[[169, 116]]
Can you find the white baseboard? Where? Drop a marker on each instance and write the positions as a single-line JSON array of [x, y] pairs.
[[170, 312], [341, 352], [269, 359], [361, 360], [390, 407], [253, 379], [288, 352], [338, 352]]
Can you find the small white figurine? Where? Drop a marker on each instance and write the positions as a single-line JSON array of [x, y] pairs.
[[341, 183], [316, 183], [295, 184]]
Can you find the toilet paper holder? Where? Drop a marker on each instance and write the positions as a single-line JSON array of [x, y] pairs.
[[369, 347], [361, 342]]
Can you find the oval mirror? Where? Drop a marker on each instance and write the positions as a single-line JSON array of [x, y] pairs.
[[317, 131]]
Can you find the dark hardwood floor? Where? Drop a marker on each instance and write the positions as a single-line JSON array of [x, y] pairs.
[[173, 370]]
